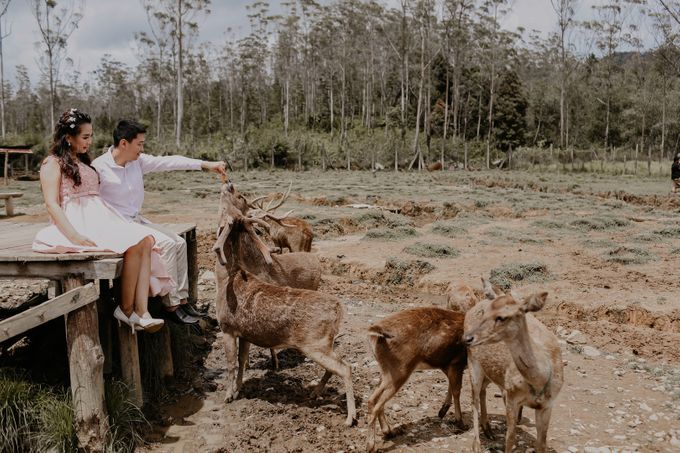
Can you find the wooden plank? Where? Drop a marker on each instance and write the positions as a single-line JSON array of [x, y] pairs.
[[47, 311], [180, 228], [16, 151], [92, 270], [11, 195], [86, 364]]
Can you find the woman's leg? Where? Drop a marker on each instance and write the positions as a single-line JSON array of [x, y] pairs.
[[132, 260], [144, 277]]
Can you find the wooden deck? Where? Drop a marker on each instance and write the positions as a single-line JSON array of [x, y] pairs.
[[78, 277]]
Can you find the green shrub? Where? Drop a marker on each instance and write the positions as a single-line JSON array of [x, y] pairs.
[[397, 272], [448, 229], [600, 223], [629, 255], [504, 276], [391, 234], [432, 250]]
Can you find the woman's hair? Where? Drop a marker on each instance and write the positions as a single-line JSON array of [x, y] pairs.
[[69, 124]]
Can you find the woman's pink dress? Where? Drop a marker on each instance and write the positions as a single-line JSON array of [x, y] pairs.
[[93, 218]]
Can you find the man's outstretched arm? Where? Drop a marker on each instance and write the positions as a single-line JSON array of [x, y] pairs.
[[151, 164]]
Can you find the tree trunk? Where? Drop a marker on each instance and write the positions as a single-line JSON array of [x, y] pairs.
[[180, 94]]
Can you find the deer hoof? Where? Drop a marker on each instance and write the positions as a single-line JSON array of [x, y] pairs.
[[444, 410], [351, 421], [230, 396]]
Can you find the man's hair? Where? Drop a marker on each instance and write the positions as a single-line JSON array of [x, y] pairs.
[[128, 130]]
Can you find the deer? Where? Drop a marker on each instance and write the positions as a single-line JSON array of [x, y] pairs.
[[288, 232], [425, 337], [251, 310], [528, 367], [297, 270], [435, 166]]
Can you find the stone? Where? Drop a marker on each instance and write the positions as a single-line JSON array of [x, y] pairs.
[[576, 337]]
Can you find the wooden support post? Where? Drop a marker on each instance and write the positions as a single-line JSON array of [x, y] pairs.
[[105, 311], [192, 264], [129, 363], [166, 365], [26, 164], [6, 166], [86, 363], [9, 204]]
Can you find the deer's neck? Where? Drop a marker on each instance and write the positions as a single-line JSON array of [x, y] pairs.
[[530, 358]]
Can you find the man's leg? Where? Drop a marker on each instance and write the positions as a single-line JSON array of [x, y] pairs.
[[174, 254]]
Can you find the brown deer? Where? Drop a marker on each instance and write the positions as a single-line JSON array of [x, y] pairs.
[[288, 232], [297, 270], [250, 310], [426, 337], [435, 166], [528, 367]]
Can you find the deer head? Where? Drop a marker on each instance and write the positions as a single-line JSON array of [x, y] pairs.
[[233, 228], [502, 318]]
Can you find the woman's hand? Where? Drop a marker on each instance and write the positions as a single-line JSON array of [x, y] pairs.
[[81, 240]]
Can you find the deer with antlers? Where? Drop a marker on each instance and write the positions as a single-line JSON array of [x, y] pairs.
[[250, 310], [286, 232]]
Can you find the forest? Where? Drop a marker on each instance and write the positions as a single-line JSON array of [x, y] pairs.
[[363, 83]]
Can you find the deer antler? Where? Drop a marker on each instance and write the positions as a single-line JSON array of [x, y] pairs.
[[262, 247], [218, 248], [284, 198]]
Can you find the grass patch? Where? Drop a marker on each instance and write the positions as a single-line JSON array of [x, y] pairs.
[[432, 250], [397, 272], [448, 229], [647, 237], [629, 255], [600, 223], [36, 418], [549, 224], [670, 232], [598, 243], [514, 236], [376, 218], [675, 252], [391, 234], [504, 276]]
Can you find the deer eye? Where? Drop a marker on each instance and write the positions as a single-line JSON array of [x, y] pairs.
[[500, 318]]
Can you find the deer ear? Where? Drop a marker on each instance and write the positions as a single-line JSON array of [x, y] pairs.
[[488, 289], [534, 302]]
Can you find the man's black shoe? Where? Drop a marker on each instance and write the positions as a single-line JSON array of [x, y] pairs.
[[179, 316], [190, 310]]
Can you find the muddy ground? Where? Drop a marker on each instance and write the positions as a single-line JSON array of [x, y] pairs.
[[606, 249]]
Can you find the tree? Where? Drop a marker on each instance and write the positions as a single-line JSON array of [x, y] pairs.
[[55, 26], [510, 124], [565, 10], [4, 4]]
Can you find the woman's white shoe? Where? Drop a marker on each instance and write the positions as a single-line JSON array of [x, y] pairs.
[[121, 317], [146, 322]]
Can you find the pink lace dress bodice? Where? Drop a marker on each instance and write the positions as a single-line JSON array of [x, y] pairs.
[[89, 185]]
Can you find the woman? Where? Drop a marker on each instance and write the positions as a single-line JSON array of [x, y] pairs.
[[82, 222]]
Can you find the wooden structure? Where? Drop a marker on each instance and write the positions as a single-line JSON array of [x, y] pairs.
[[21, 149], [9, 203], [88, 324]]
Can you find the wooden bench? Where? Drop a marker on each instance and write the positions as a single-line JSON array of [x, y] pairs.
[[9, 204], [81, 279]]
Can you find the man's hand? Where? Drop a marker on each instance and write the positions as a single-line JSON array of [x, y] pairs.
[[217, 167]]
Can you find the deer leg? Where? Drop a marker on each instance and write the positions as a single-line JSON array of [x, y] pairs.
[[455, 375], [231, 351], [542, 424], [477, 381], [372, 415], [243, 349], [332, 363], [322, 383], [275, 359], [484, 417], [511, 408]]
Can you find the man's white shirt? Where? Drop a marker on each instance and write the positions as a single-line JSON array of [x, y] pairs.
[[123, 186]]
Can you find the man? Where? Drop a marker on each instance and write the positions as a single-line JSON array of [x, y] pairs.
[[121, 173]]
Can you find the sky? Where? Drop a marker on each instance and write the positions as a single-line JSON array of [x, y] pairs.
[[109, 26]]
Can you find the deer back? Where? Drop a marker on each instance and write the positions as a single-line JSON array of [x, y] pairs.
[[274, 316], [429, 335]]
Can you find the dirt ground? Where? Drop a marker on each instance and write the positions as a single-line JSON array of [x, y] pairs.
[[608, 248]]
